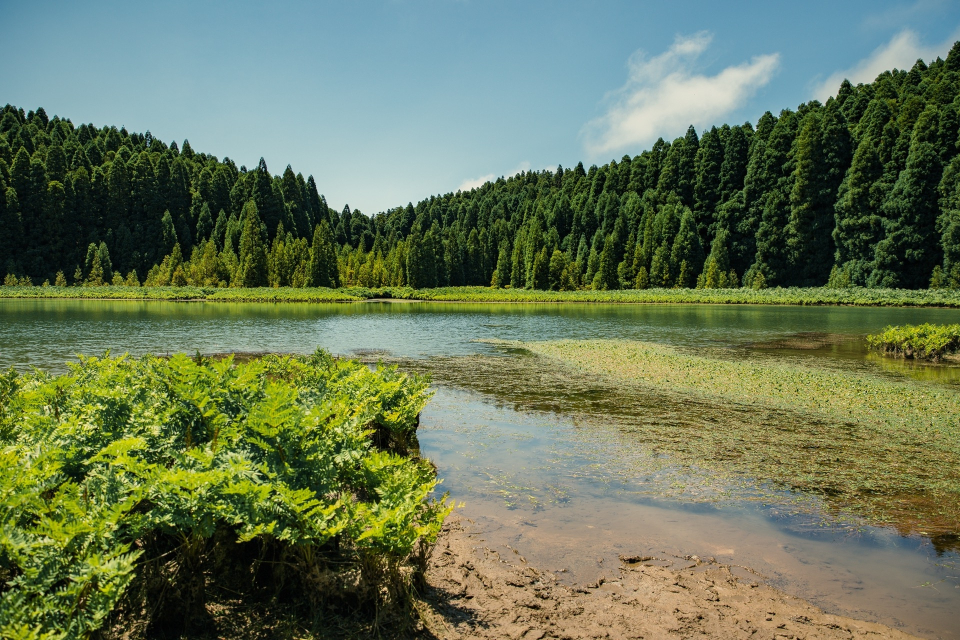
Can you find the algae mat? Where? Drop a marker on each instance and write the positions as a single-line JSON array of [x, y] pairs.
[[881, 448]]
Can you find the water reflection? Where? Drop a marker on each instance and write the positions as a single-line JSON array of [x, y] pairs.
[[546, 486]]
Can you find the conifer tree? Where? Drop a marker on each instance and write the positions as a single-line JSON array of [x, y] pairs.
[[776, 173], [858, 225], [811, 208], [558, 266], [540, 271], [686, 255], [606, 277], [909, 251], [734, 168], [707, 187], [252, 266], [501, 275], [204, 223]]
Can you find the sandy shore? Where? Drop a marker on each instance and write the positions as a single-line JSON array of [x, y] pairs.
[[476, 591]]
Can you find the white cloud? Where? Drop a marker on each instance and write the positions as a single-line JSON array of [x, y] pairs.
[[900, 53], [662, 96], [473, 183]]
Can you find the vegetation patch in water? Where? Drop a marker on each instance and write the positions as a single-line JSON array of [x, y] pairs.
[[878, 448], [922, 342], [135, 492]]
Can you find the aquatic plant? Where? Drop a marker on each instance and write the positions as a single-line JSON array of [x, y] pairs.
[[877, 447], [922, 342], [131, 488]]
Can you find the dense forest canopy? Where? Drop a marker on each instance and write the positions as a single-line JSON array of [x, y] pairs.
[[861, 191]]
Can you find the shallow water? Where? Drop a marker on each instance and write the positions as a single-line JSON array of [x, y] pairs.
[[542, 484], [563, 493]]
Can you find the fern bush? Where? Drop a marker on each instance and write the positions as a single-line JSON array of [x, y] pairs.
[[130, 487], [921, 342]]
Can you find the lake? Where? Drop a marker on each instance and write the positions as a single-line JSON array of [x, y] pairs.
[[569, 490]]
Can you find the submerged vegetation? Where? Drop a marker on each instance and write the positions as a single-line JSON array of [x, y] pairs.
[[883, 449], [922, 342], [134, 492], [853, 296]]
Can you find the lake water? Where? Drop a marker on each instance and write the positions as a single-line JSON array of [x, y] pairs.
[[552, 486]]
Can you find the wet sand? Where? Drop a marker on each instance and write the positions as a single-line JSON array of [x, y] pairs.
[[478, 589]]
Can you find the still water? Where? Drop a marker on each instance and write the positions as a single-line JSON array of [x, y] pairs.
[[544, 482]]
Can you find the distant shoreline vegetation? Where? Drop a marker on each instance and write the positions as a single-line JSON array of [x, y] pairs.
[[862, 190], [811, 296]]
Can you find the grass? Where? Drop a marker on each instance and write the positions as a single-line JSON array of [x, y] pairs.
[[777, 296], [922, 342], [883, 449]]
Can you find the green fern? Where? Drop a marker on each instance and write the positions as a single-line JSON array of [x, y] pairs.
[[129, 473]]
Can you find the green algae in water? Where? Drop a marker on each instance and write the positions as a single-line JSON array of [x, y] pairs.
[[851, 445]]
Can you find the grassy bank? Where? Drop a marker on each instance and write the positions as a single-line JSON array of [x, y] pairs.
[[776, 296], [884, 449], [137, 495]]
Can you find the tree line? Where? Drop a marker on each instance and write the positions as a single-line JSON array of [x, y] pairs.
[[863, 190]]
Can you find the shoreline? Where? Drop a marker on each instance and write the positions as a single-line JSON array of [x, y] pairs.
[[477, 590], [818, 297]]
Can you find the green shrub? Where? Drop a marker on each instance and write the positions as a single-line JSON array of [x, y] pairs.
[[130, 487], [923, 342]]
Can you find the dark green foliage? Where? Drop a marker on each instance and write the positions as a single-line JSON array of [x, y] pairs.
[[822, 155], [252, 268], [686, 255], [857, 214], [906, 257], [323, 258], [847, 188]]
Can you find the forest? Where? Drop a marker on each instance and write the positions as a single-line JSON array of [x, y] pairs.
[[863, 191]]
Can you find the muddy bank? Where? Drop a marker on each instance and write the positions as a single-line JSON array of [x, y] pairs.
[[480, 590]]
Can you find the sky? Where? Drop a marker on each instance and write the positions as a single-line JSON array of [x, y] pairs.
[[386, 102]]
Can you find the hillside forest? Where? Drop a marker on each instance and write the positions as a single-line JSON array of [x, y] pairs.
[[861, 191]]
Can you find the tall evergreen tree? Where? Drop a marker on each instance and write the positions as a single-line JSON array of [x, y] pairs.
[[909, 251], [857, 214], [707, 187], [252, 267]]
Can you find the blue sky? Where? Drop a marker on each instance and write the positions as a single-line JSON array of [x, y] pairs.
[[389, 101]]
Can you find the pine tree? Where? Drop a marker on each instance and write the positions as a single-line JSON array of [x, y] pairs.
[[811, 209], [909, 251], [168, 236], [324, 271], [269, 209], [686, 255], [204, 223], [776, 175], [717, 266], [660, 275], [857, 214], [558, 265], [501, 275], [706, 192], [607, 269], [252, 267], [540, 271], [56, 164], [733, 170]]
